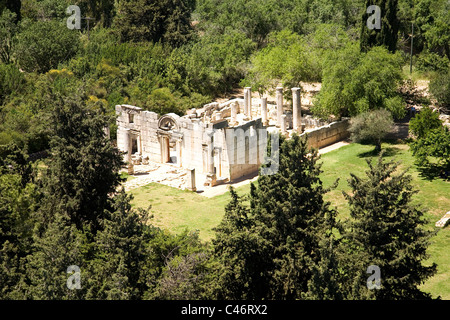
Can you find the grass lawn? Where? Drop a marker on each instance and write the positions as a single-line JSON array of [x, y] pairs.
[[177, 210]]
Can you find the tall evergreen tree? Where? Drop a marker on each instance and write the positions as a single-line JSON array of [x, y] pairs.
[[388, 34], [271, 249], [388, 231], [116, 270], [56, 248], [83, 171], [81, 177]]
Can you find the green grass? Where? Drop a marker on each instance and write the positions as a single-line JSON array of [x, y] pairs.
[[177, 210]]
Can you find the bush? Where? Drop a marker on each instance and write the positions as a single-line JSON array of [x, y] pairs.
[[371, 127], [440, 89], [430, 61], [424, 122], [433, 151], [11, 80]]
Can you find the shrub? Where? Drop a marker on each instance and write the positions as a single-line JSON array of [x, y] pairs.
[[430, 61], [424, 122], [440, 89]]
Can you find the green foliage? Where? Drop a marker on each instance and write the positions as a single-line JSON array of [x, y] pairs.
[[8, 30], [148, 20], [13, 6], [430, 61], [12, 81], [84, 169], [213, 65], [55, 248], [433, 17], [425, 121], [287, 58], [42, 45], [433, 150], [45, 9], [387, 231], [440, 89], [354, 83], [257, 19], [18, 199], [371, 127], [291, 58], [179, 267], [117, 267], [102, 11]]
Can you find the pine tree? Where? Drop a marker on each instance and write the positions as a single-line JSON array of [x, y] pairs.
[[388, 35], [388, 231], [243, 256], [271, 249]]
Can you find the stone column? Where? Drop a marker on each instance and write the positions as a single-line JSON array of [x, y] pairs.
[[191, 180], [264, 111], [249, 102], [179, 164], [211, 158], [283, 124], [279, 106], [128, 149], [296, 110], [234, 112], [245, 100], [211, 176]]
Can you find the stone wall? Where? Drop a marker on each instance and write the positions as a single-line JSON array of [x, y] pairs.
[[329, 134]]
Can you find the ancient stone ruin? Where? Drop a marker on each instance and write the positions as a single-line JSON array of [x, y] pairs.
[[224, 142]]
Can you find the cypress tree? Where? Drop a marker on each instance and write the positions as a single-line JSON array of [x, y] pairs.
[[83, 170], [388, 34], [388, 231], [77, 187], [116, 270]]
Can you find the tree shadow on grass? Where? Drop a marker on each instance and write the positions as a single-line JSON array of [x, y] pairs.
[[387, 152], [431, 172]]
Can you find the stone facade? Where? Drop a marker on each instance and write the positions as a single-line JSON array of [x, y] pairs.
[[204, 140]]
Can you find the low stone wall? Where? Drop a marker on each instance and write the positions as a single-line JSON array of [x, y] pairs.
[[329, 134]]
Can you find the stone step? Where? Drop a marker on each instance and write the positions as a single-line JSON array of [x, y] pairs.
[[443, 221]]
